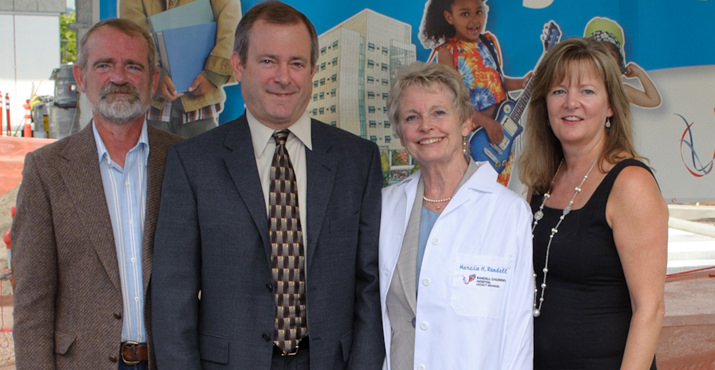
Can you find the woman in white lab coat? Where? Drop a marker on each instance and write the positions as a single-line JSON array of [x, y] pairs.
[[456, 283]]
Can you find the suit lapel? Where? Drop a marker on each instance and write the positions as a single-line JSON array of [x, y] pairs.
[[240, 161], [80, 171], [321, 169], [155, 175]]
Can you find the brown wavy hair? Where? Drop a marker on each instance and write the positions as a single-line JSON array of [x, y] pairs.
[[542, 151]]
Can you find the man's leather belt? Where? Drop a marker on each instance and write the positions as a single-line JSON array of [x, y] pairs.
[[133, 353]]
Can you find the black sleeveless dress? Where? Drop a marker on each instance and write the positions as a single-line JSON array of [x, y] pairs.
[[586, 311]]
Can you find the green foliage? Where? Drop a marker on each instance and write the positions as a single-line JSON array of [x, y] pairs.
[[68, 38], [385, 168]]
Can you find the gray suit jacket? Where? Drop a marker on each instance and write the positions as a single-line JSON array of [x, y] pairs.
[[68, 302], [212, 236]]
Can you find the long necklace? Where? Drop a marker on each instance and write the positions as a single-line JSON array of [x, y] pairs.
[[538, 216]]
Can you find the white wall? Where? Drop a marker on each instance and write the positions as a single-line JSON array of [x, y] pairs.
[[683, 159], [29, 51]]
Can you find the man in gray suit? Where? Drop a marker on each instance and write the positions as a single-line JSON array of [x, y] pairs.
[[86, 215], [217, 295]]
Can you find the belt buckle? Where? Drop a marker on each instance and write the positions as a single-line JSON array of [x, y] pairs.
[[133, 348], [292, 353]]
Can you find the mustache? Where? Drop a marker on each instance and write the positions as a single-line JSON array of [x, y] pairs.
[[112, 88]]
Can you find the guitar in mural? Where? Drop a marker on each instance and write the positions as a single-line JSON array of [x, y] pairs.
[[508, 115]]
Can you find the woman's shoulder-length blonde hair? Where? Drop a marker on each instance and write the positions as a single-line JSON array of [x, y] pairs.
[[425, 75], [542, 151]]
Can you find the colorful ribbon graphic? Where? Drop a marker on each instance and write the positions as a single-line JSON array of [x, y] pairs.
[[692, 164]]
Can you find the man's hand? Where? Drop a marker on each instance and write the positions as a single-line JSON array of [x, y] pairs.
[[201, 86], [166, 90]]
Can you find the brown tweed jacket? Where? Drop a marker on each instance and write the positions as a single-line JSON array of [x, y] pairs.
[[68, 303]]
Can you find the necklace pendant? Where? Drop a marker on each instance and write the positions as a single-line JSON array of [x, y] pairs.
[[538, 215]]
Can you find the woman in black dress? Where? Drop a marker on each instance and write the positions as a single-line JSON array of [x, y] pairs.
[[600, 228]]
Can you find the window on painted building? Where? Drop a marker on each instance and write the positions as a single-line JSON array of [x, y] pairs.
[[384, 50], [322, 66], [315, 97], [335, 61], [322, 81], [373, 138], [385, 82], [385, 95], [315, 111], [334, 77], [373, 123], [315, 83], [387, 138], [370, 63], [332, 108], [371, 95], [383, 66], [370, 79], [321, 110], [333, 92], [335, 44], [322, 95], [387, 124], [371, 109], [322, 50], [370, 46], [334, 123]]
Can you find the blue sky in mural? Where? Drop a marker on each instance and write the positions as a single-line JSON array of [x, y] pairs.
[[659, 33], [676, 40]]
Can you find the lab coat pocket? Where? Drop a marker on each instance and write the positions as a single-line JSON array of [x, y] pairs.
[[479, 284]]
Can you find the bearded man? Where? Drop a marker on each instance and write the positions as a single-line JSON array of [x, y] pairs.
[[86, 213]]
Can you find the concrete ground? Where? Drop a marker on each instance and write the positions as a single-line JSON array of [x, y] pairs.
[[687, 340]]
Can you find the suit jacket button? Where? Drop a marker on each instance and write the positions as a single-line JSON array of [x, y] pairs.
[[269, 286], [113, 358], [266, 337], [117, 315]]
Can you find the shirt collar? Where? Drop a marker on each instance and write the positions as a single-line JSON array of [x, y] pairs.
[[261, 134], [103, 154]]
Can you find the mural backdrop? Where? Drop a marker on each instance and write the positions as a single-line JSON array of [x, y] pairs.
[[665, 47]]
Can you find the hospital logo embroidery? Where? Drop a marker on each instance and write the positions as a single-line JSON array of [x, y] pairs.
[[469, 279]]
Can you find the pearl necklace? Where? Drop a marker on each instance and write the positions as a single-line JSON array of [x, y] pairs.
[[436, 200], [538, 216], [428, 200]]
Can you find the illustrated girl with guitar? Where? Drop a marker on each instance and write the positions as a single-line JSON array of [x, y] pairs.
[[455, 30]]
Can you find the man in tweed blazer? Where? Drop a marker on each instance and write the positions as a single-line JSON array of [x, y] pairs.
[[81, 255]]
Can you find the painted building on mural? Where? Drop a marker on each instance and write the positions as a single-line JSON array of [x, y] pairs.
[[358, 58]]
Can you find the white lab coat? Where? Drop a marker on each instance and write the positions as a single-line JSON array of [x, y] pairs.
[[476, 288]]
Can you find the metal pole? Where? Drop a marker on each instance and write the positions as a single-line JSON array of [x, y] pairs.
[[7, 110]]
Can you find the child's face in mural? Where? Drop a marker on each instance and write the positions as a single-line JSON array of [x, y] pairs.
[[468, 18]]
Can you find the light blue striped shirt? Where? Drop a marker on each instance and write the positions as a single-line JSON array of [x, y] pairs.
[[125, 191]]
